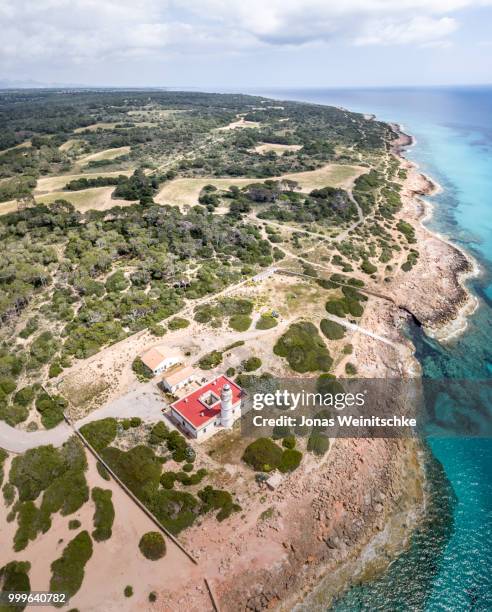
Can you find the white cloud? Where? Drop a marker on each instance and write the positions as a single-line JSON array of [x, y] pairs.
[[65, 31]]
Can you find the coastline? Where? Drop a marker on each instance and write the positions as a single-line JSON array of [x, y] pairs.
[[455, 323]]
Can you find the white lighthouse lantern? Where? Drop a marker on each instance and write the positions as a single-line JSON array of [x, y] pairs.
[[226, 412]]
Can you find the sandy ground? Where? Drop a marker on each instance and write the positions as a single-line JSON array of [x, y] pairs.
[[185, 191], [115, 563]]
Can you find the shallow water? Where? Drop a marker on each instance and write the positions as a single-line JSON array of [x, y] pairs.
[[448, 563]]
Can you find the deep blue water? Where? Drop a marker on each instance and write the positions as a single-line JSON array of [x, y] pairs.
[[448, 565]]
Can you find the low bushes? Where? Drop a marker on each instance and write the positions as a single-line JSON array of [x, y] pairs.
[[68, 571], [152, 545], [240, 322], [251, 364], [103, 515], [332, 330], [303, 348], [100, 434], [263, 455], [266, 322]]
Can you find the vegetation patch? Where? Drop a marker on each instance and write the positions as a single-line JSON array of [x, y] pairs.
[[303, 348], [266, 322], [103, 515], [263, 455], [240, 322], [251, 364], [15, 577], [178, 323], [68, 571], [332, 330], [152, 545], [100, 434]]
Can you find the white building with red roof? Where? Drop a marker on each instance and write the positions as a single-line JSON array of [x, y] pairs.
[[215, 405]]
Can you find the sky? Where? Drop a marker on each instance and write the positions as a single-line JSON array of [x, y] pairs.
[[220, 44]]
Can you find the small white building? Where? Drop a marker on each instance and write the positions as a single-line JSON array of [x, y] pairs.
[[160, 359], [177, 377], [214, 405]]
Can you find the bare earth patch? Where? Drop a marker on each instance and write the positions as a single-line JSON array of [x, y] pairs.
[[106, 154]]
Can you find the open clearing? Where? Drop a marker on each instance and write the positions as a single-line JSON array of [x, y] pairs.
[[185, 191], [95, 126], [106, 154], [97, 198], [241, 123], [278, 148], [55, 183], [66, 146]]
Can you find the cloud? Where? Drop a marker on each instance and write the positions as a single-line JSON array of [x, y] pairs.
[[74, 31], [419, 30]]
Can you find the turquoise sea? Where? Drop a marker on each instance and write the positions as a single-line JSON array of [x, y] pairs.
[[448, 565]]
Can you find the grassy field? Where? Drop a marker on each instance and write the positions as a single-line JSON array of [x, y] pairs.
[[106, 154], [95, 126], [185, 191], [97, 198], [56, 183], [278, 148]]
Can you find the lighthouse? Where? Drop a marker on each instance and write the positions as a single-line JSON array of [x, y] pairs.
[[226, 411]]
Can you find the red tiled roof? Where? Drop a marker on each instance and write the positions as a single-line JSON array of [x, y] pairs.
[[192, 409]]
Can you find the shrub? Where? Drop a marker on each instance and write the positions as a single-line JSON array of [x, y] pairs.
[[251, 364], [14, 577], [303, 348], [177, 323], [290, 461], [230, 372], [289, 441], [128, 591], [188, 467], [8, 493], [332, 330], [167, 480], [318, 443], [116, 282], [55, 369], [158, 330], [103, 515], [68, 571], [336, 307], [100, 434], [266, 322], [24, 396], [50, 408], [350, 369], [368, 267], [103, 472], [74, 524], [152, 596], [217, 499], [141, 370], [135, 422], [152, 545], [240, 322], [158, 433], [210, 361], [263, 455]]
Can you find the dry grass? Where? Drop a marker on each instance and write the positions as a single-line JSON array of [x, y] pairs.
[[55, 183], [106, 154], [278, 148], [185, 191], [97, 198], [73, 142], [95, 126]]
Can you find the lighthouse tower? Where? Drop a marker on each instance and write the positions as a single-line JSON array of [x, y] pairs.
[[226, 412]]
